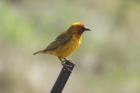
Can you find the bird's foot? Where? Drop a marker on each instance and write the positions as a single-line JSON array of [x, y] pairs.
[[66, 65], [68, 60], [65, 62]]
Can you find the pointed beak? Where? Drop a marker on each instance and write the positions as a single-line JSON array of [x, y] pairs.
[[87, 29]]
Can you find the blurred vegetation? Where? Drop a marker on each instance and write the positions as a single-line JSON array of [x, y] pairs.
[[108, 60]]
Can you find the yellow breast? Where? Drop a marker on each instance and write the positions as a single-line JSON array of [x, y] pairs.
[[68, 48]]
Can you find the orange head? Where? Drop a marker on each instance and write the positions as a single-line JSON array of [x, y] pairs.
[[78, 28]]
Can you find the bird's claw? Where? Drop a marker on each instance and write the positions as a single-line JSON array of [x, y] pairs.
[[68, 60], [66, 66]]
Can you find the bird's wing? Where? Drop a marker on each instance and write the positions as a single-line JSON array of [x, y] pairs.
[[61, 40]]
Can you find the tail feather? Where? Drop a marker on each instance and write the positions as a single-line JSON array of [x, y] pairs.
[[38, 52]]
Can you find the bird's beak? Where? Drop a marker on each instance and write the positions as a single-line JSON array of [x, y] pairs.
[[87, 29]]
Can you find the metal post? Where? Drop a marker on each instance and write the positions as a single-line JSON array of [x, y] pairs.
[[63, 77]]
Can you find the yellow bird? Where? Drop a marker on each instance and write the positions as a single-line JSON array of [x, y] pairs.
[[66, 42]]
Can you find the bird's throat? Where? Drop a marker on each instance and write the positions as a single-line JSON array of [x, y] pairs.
[[78, 35]]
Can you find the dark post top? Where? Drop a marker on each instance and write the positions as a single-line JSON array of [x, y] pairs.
[[63, 77]]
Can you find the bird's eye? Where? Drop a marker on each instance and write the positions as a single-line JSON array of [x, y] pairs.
[[82, 29]]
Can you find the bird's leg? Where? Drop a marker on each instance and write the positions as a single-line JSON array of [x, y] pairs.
[[68, 66], [63, 62], [67, 60]]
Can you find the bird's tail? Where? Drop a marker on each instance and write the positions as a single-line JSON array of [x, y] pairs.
[[38, 52]]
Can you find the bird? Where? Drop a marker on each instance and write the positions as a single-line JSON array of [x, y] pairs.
[[65, 43]]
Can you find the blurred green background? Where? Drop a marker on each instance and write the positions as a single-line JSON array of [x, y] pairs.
[[108, 60]]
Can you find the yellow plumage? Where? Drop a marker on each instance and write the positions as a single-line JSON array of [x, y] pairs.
[[66, 42], [68, 48]]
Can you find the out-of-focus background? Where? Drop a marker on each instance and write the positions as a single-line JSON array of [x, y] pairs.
[[108, 60]]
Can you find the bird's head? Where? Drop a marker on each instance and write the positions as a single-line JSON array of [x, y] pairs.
[[78, 28]]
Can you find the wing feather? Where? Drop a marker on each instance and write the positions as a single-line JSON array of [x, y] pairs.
[[61, 40]]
